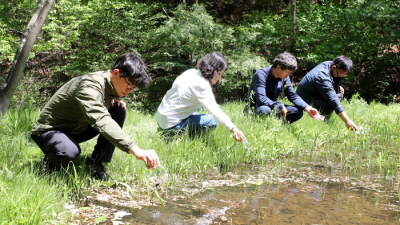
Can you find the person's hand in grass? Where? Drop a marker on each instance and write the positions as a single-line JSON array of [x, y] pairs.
[[237, 135]]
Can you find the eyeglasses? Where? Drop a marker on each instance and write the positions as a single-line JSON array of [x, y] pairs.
[[341, 74], [287, 71], [130, 86]]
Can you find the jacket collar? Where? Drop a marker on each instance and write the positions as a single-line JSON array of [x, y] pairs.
[[110, 90], [271, 77]]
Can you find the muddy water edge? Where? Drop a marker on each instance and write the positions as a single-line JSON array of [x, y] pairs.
[[303, 193]]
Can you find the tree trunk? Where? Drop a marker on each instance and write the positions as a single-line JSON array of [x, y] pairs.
[[8, 88], [292, 39]]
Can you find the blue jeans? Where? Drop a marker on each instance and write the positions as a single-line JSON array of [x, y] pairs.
[[196, 124], [294, 113]]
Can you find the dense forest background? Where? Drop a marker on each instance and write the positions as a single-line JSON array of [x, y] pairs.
[[82, 36]]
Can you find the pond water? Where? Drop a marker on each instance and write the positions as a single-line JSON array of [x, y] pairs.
[[285, 200], [297, 194], [311, 203]]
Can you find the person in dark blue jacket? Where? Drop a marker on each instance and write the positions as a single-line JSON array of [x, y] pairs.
[[321, 87], [267, 85]]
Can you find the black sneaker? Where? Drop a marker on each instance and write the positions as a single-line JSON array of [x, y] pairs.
[[99, 172]]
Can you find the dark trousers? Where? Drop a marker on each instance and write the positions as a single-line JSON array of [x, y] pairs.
[[62, 148], [321, 104], [294, 113]]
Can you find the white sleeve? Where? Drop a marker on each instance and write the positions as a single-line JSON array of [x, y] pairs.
[[207, 99]]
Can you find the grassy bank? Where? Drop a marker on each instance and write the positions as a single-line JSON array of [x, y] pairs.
[[31, 197]]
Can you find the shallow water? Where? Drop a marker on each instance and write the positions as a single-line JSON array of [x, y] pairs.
[[291, 203], [302, 193]]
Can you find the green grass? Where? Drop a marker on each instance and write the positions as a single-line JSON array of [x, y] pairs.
[[29, 197]]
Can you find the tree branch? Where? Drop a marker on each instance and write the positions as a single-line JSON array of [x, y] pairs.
[[24, 48]]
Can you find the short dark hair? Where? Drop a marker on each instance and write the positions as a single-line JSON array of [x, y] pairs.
[[133, 68], [344, 63], [210, 63], [286, 61]]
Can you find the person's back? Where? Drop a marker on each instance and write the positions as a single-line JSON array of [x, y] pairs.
[[182, 99], [310, 83], [63, 111]]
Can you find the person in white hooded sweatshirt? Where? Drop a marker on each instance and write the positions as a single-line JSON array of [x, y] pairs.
[[190, 92]]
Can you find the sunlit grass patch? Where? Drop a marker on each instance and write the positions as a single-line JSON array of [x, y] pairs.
[[272, 143], [29, 198]]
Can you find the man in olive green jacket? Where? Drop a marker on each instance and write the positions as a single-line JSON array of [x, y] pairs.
[[87, 106]]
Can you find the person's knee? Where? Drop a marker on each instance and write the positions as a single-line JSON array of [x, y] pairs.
[[63, 160], [208, 121], [64, 154], [201, 124], [299, 113], [264, 110], [294, 113], [118, 114], [72, 154]]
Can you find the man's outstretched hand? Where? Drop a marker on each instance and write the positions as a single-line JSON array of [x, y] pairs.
[[351, 125], [237, 135], [149, 157], [313, 112], [284, 112]]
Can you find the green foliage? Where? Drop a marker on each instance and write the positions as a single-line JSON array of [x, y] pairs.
[[26, 198], [113, 28], [185, 38], [12, 24], [88, 37], [82, 36], [236, 80], [365, 31], [20, 121]]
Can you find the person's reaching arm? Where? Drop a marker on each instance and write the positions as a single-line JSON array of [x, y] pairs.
[[349, 123]]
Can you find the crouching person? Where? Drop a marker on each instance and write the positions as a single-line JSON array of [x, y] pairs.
[[268, 84], [190, 92], [321, 88], [87, 106]]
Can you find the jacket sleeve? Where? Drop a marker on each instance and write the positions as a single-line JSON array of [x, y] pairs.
[[326, 90], [292, 96], [90, 99], [259, 84]]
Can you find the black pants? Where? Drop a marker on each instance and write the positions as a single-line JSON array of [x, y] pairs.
[[62, 148], [321, 104], [294, 113]]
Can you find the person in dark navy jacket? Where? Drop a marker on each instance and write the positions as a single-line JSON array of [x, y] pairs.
[[321, 88], [267, 85]]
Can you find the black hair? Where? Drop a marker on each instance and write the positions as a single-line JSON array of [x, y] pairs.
[[133, 68], [286, 61], [344, 63], [210, 63]]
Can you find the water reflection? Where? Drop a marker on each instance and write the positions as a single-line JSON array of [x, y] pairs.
[[289, 202]]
